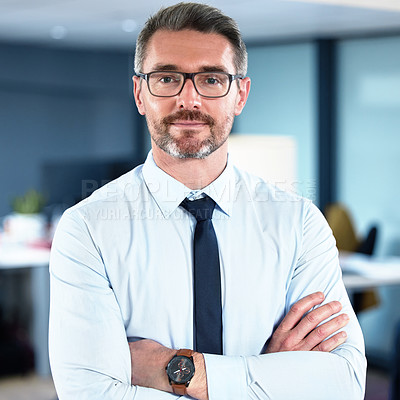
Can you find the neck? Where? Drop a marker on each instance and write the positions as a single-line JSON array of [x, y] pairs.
[[192, 172]]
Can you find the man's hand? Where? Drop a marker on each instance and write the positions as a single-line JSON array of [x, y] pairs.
[[149, 359], [296, 333]]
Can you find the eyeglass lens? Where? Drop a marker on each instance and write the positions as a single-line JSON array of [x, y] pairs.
[[212, 84]]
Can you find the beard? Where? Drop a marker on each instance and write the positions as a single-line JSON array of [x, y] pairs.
[[188, 145]]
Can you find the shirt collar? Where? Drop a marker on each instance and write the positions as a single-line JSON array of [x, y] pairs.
[[168, 193]]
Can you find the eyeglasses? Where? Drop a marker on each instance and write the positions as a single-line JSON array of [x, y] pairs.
[[207, 84]]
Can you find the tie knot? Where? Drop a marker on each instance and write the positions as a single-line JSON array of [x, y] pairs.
[[201, 209]]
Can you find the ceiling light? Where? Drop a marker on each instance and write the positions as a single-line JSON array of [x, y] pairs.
[[129, 25], [58, 32]]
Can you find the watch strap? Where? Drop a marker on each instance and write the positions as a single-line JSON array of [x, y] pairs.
[[181, 389], [185, 352]]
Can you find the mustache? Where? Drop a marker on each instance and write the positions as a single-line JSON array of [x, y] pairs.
[[188, 115]]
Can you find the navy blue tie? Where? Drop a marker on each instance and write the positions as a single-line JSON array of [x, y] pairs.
[[207, 278]]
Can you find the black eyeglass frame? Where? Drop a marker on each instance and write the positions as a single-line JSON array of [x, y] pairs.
[[190, 75]]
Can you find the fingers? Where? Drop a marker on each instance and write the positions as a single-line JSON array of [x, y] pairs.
[[331, 343], [315, 317], [298, 310], [304, 329], [315, 340]]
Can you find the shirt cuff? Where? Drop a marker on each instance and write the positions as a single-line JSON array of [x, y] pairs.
[[226, 377]]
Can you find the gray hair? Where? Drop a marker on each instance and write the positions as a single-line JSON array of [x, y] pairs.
[[194, 16]]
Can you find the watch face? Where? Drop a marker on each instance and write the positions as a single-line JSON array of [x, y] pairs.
[[180, 369]]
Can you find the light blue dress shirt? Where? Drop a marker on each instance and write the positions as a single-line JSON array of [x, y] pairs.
[[121, 266]]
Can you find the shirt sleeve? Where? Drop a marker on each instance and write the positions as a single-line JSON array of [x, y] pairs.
[[311, 375], [89, 352]]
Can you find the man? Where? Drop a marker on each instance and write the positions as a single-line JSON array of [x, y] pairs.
[[125, 319]]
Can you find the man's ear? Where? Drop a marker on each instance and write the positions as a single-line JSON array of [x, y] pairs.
[[137, 94], [243, 94]]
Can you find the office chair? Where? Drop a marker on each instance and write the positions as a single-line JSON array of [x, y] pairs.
[[340, 221]]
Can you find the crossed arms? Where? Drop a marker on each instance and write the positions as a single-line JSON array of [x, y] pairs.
[[294, 333], [91, 357]]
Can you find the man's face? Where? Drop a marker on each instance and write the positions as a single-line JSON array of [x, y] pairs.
[[189, 125]]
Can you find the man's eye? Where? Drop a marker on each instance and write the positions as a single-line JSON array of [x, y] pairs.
[[212, 81], [166, 79]]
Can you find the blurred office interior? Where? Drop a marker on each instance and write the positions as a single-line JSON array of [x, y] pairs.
[[324, 73]]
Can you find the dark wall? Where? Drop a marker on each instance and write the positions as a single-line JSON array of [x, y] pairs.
[[62, 105]]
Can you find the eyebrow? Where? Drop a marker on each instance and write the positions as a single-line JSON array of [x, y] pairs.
[[214, 68], [165, 67], [173, 67]]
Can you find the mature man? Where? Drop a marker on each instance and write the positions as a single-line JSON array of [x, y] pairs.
[[187, 276]]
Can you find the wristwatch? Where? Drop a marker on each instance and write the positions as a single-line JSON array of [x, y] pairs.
[[180, 371]]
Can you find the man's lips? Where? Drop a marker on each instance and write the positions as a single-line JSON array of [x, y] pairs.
[[189, 124]]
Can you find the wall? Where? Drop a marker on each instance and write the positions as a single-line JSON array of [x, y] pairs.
[[282, 101], [369, 160], [60, 105]]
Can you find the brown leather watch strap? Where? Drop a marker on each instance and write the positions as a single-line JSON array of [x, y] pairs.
[[185, 352], [179, 389]]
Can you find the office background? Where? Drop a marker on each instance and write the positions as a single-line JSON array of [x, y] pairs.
[[62, 107]]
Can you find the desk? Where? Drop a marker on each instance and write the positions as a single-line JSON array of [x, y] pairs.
[[37, 260], [365, 272]]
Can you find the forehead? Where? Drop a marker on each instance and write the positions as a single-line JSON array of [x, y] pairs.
[[188, 51]]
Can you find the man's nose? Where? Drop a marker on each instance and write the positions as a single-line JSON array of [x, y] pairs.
[[188, 98]]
